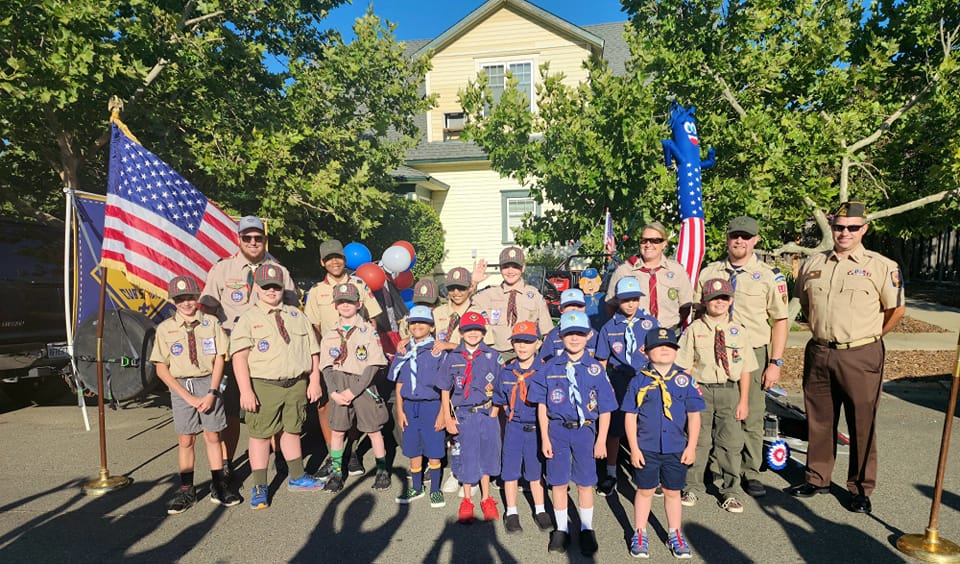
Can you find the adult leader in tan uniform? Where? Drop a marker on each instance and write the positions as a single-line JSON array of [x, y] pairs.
[[851, 297], [228, 293], [666, 286], [760, 305]]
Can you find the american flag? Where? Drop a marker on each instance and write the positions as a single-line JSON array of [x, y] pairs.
[[690, 247], [609, 243], [157, 224]]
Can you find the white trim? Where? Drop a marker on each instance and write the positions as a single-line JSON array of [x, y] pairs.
[[531, 60]]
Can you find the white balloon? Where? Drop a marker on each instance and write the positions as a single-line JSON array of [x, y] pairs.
[[396, 259]]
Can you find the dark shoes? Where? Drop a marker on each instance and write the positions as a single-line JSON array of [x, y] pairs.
[[559, 541], [184, 499], [354, 466], [221, 494], [543, 521], [754, 488], [512, 523], [860, 503], [588, 543], [334, 483], [382, 481], [607, 486], [807, 489], [326, 469]]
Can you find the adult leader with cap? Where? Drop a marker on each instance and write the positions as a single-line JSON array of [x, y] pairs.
[[228, 292], [666, 286], [760, 305], [851, 297]]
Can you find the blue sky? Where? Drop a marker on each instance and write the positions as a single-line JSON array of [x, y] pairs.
[[426, 19]]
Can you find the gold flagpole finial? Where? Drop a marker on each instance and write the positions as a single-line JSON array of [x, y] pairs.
[[115, 105]]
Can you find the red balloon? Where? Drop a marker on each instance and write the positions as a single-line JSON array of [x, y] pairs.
[[403, 280], [406, 246], [372, 274]]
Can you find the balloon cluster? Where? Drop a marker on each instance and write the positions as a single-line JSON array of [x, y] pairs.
[[397, 263]]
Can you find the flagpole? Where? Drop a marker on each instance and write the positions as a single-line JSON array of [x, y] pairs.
[[68, 305]]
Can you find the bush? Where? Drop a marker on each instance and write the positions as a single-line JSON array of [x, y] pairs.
[[412, 221]]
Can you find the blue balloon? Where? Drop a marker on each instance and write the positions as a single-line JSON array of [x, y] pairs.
[[356, 254], [413, 262], [409, 305], [407, 295]]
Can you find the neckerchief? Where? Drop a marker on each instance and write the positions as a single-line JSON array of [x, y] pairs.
[[521, 386], [344, 337], [411, 357], [660, 382]]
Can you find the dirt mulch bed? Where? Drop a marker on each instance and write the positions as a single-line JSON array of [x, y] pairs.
[[906, 325], [899, 364]]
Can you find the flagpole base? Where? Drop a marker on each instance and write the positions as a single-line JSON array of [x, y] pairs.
[[929, 547], [106, 483]]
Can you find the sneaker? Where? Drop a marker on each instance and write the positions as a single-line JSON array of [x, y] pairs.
[[354, 466], [658, 492], [559, 541], [607, 486], [334, 483], [258, 497], [678, 545], [305, 483], [221, 494], [451, 484], [542, 520], [465, 515], [754, 488], [184, 499], [638, 545], [382, 481], [409, 495], [227, 472], [732, 505], [436, 499], [689, 499], [489, 508], [325, 469], [588, 543], [512, 523], [496, 484]]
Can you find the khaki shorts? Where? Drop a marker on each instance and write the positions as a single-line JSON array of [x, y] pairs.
[[369, 412], [280, 409], [186, 419]]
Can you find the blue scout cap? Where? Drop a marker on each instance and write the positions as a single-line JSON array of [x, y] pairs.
[[572, 296], [420, 314], [590, 273], [660, 337], [574, 322], [628, 288]]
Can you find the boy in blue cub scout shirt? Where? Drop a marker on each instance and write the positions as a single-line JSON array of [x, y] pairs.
[[418, 405], [619, 349], [660, 401], [466, 383], [575, 400], [521, 448], [570, 300]]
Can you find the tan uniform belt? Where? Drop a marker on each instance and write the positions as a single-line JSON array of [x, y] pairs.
[[850, 345]]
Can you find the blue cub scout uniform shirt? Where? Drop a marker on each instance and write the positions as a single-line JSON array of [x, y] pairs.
[[453, 375], [655, 432], [612, 343], [428, 374], [551, 387], [553, 345], [523, 412]]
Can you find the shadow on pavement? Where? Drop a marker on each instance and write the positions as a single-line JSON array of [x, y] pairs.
[[473, 543], [931, 393]]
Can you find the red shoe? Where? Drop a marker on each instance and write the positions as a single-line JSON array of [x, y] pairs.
[[489, 508], [465, 516]]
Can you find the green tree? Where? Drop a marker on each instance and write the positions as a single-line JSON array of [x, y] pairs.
[[415, 222]]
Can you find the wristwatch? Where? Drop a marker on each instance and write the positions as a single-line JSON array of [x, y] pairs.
[[777, 361], [214, 391]]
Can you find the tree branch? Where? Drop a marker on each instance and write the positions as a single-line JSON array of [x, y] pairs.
[[919, 202], [793, 248], [299, 200], [887, 123], [726, 92], [194, 21], [826, 233]]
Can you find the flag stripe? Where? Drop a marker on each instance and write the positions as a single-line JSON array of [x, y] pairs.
[[146, 233]]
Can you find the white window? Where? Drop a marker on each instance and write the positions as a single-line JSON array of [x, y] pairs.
[[497, 79], [516, 206]]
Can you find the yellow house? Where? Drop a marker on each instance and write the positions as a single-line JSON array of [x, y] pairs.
[[477, 207]]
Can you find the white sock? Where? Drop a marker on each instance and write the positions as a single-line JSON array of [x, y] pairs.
[[586, 519], [539, 509], [511, 510], [612, 470], [561, 516]]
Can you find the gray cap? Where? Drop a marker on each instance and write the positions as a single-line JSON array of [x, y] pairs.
[[329, 248], [250, 222], [743, 224]]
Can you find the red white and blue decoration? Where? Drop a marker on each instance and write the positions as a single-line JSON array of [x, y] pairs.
[[778, 454]]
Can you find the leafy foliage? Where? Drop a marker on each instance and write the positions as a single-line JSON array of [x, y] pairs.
[[415, 222]]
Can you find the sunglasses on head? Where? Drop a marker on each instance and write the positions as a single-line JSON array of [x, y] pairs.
[[850, 228], [653, 240], [252, 238], [739, 235]]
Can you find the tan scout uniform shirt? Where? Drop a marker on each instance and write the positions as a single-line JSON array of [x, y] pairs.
[[227, 283], [170, 346], [322, 312], [844, 300], [673, 288], [441, 317], [363, 349], [270, 357], [761, 295], [697, 352], [492, 302]]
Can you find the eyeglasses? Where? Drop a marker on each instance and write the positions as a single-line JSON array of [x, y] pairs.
[[739, 235], [652, 240], [252, 238], [850, 228]]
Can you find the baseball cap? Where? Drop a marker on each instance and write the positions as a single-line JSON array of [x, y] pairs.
[[572, 296], [716, 287], [574, 321], [346, 293], [268, 275], [627, 288], [511, 255], [183, 286], [745, 224], [329, 248], [249, 222], [660, 337], [590, 273], [458, 277], [425, 292], [525, 331], [420, 314], [472, 321]]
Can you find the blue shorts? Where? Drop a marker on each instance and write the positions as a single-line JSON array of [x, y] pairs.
[[420, 438], [521, 450], [620, 382], [661, 469], [479, 446], [572, 455]]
